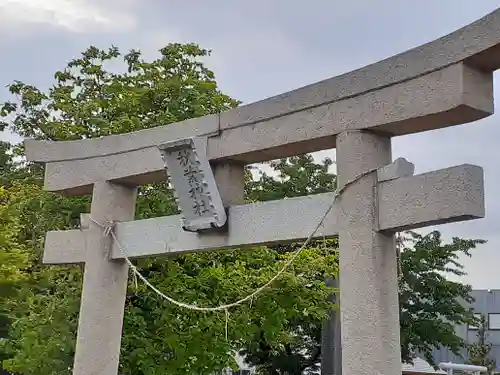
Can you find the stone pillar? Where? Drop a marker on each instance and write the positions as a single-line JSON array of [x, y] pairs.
[[104, 286], [230, 180], [368, 268], [331, 354], [337, 348]]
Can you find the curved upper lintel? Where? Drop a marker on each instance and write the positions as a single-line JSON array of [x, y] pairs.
[[477, 44]]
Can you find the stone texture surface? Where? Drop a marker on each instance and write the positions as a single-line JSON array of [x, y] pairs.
[[65, 247], [432, 197], [76, 177], [453, 95], [367, 260], [44, 151], [331, 353], [433, 101], [248, 225], [398, 168], [104, 286], [230, 179], [194, 187], [437, 197]]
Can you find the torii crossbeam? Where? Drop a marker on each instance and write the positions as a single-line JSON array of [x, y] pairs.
[[404, 203], [443, 83]]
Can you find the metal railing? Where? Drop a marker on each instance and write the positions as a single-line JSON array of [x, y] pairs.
[[449, 367]]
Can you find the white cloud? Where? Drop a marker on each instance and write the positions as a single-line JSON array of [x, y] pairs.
[[73, 15]]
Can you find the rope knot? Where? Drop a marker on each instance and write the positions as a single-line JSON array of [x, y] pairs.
[[108, 226]]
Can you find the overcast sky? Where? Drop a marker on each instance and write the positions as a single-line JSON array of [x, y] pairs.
[[265, 47]]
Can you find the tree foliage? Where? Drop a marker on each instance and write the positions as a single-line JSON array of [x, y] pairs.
[[41, 313], [479, 351], [430, 304], [278, 332], [13, 262], [292, 177], [88, 101]]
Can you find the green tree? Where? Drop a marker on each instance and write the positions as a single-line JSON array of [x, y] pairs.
[[6, 163], [291, 177], [89, 101], [479, 351], [13, 261], [43, 312], [429, 303], [12, 170]]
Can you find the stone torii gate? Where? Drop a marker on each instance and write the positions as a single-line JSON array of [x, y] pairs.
[[443, 83]]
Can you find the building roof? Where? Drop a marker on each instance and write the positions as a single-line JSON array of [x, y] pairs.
[[420, 366]]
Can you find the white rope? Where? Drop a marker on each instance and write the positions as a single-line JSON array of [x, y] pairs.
[[227, 323], [108, 230]]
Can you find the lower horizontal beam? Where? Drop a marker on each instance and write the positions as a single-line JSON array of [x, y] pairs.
[[65, 247], [438, 197], [255, 224]]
